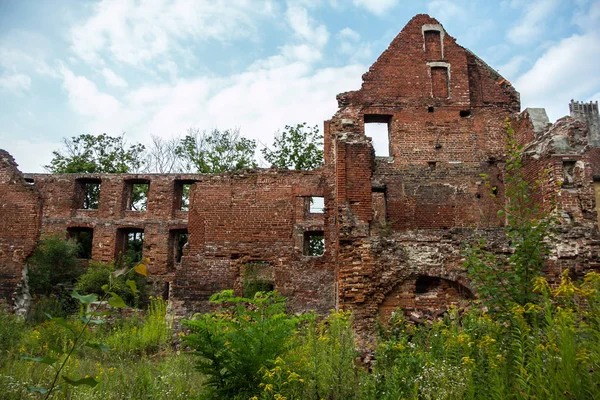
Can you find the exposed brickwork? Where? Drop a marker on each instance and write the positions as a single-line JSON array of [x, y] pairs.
[[394, 227], [19, 225]]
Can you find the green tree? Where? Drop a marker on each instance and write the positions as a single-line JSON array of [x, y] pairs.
[[502, 281], [216, 151], [97, 154], [297, 147]]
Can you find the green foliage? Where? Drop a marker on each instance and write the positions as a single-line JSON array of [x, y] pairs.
[[245, 337], [145, 337], [100, 274], [97, 154], [11, 329], [57, 357], [53, 262], [297, 147], [316, 245], [253, 283], [503, 281], [216, 151]]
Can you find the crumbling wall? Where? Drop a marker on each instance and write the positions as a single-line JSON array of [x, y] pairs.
[[430, 187], [241, 221], [63, 212], [20, 215]]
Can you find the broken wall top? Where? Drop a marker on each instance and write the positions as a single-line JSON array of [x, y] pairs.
[[403, 73]]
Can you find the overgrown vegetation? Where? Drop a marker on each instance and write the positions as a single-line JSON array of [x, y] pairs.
[[531, 341]]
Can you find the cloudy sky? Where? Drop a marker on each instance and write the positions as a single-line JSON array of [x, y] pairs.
[[158, 67]]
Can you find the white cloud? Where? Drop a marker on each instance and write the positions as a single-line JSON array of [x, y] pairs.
[[531, 25], [134, 33], [113, 79], [445, 10], [350, 45], [85, 98], [349, 34], [377, 7], [15, 83], [30, 155], [305, 27], [510, 69], [568, 70]]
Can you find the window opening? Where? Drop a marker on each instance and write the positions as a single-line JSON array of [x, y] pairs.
[[131, 245], [433, 45], [465, 113], [569, 174], [430, 109], [137, 196], [257, 278], [377, 127], [432, 165], [314, 243], [182, 193], [84, 238], [439, 82], [379, 201], [90, 194], [316, 205], [178, 241], [426, 284], [29, 181]]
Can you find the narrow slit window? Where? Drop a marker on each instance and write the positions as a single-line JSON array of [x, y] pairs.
[[178, 241], [182, 193], [316, 205], [314, 243], [439, 82], [379, 200], [377, 127], [569, 174]]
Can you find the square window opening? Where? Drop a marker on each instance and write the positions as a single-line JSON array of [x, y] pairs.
[[137, 195], [377, 127], [130, 245], [316, 205], [88, 194], [257, 278], [314, 243], [84, 238]]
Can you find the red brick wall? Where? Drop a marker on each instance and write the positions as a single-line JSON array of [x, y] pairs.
[[20, 211], [243, 218]]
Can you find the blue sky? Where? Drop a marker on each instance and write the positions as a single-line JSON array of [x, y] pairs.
[[158, 67]]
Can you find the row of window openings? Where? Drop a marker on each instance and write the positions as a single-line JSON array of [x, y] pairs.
[[130, 243], [136, 195]]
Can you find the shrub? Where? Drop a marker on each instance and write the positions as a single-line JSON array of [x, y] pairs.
[[99, 274], [240, 340], [148, 336], [53, 262]]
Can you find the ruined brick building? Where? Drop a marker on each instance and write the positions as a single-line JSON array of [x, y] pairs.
[[393, 222]]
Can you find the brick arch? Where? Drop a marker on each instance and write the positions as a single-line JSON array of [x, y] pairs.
[[428, 293]]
